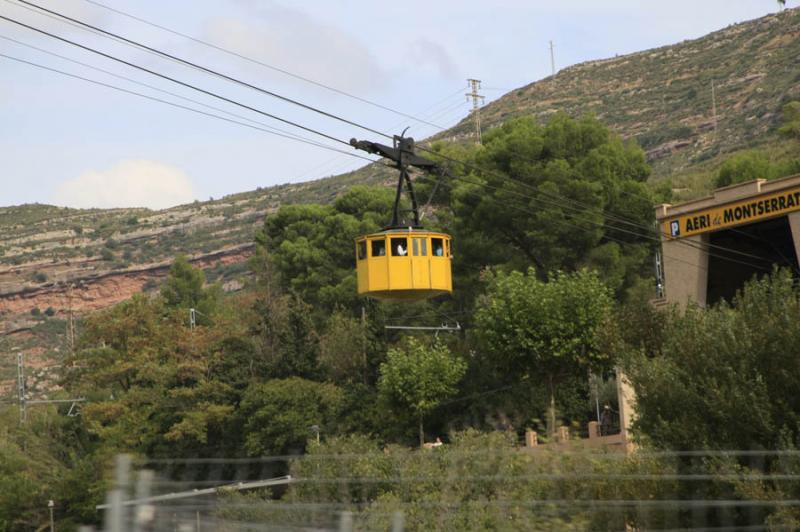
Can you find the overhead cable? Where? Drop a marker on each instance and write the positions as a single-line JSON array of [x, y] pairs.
[[206, 69], [263, 64], [180, 106], [174, 80]]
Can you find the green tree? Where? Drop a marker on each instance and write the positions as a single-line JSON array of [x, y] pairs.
[[791, 120], [311, 247], [185, 288], [725, 377], [743, 167], [417, 378], [545, 331], [278, 415], [549, 195], [148, 382], [343, 349]]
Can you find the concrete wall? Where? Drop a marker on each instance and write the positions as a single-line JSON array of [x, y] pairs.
[[686, 270]]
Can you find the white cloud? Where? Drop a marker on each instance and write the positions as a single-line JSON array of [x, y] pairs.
[[129, 183], [434, 54], [295, 41]]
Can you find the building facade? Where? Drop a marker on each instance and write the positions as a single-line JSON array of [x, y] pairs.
[[712, 246]]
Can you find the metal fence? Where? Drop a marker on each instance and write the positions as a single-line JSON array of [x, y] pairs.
[[460, 489]]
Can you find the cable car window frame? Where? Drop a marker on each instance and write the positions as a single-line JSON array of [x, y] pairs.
[[447, 248], [441, 242], [419, 246], [362, 249], [396, 241], [378, 244]]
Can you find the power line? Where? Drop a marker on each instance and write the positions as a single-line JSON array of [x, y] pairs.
[[184, 62], [263, 64], [176, 95], [603, 225], [179, 106], [174, 80], [206, 70], [557, 199], [581, 206]]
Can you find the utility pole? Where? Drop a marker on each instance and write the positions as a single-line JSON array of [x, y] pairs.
[[70, 323], [552, 60], [24, 401], [714, 106], [475, 85], [51, 505], [364, 340], [21, 386]]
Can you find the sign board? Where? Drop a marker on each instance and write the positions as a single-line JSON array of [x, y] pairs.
[[731, 214]]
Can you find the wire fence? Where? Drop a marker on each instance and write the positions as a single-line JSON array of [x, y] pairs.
[[459, 487]]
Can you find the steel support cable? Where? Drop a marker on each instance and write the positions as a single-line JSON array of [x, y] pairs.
[[163, 91], [174, 80], [603, 225], [562, 203], [624, 221], [579, 204], [607, 237], [281, 97], [425, 113], [786, 260], [164, 54], [265, 65], [180, 106], [206, 70], [210, 71]]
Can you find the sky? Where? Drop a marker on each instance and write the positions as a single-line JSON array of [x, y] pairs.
[[70, 142]]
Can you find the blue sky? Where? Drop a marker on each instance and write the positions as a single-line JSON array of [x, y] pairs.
[[67, 142]]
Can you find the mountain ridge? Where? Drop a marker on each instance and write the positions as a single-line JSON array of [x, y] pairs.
[[661, 97]]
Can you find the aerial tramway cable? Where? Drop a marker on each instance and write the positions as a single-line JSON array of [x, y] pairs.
[[174, 80], [555, 200], [205, 69], [187, 108], [265, 65]]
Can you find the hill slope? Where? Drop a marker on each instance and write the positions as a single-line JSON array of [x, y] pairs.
[[55, 258], [663, 97]]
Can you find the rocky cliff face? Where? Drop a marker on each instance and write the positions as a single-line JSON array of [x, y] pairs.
[[53, 259], [93, 291]]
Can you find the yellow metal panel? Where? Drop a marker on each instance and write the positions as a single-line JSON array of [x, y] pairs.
[[400, 273], [420, 272]]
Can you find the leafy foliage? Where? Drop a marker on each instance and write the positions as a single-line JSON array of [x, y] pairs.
[[419, 377], [750, 165], [279, 414], [551, 195], [724, 378]]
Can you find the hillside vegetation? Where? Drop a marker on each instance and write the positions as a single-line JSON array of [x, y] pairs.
[[55, 259], [551, 288]]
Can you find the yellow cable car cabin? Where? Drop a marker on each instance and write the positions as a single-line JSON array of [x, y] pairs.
[[404, 264]]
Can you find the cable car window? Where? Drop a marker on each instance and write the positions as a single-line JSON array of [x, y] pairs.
[[448, 249], [362, 250], [379, 248], [420, 247], [399, 247], [438, 247]]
